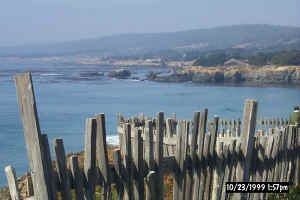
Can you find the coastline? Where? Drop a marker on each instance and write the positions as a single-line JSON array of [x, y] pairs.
[[249, 76], [93, 68]]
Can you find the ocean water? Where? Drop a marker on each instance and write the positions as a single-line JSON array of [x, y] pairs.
[[65, 98]]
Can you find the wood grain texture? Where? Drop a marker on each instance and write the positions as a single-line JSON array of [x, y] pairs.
[[32, 133]]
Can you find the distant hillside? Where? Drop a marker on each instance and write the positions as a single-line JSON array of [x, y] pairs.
[[278, 58], [259, 37]]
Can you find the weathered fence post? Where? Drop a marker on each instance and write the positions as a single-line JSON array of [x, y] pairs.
[[149, 151], [226, 170], [90, 157], [61, 166], [12, 183], [138, 164], [247, 138], [128, 162], [204, 170], [181, 146], [268, 165], [218, 173], [51, 174], [199, 159], [102, 155], [297, 144], [119, 171], [211, 156], [77, 177], [158, 156], [32, 133], [193, 156]]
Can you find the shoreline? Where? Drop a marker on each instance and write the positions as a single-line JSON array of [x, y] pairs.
[[249, 76]]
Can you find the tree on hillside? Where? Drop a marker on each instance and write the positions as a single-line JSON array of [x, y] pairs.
[[211, 60]]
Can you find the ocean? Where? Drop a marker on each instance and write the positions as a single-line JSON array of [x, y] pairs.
[[66, 97]]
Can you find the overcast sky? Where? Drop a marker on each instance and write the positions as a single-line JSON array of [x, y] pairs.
[[40, 21]]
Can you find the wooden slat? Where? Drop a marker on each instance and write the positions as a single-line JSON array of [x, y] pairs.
[[138, 164], [61, 166], [149, 151], [121, 131], [211, 157], [12, 183], [281, 162], [169, 128], [178, 176], [279, 155], [201, 139], [290, 155], [262, 143], [90, 157], [269, 163], [297, 148], [32, 133], [249, 125], [284, 155], [231, 163], [119, 171], [226, 171], [218, 173], [184, 156], [77, 177], [275, 155], [102, 158], [158, 154], [128, 163], [193, 154], [233, 126], [51, 179], [204, 170]]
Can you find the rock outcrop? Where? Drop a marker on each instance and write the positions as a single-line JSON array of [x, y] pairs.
[[247, 75], [120, 74]]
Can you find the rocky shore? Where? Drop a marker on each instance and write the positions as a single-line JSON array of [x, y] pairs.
[[242, 75], [120, 74]]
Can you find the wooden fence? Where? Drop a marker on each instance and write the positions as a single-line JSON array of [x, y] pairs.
[[201, 157]]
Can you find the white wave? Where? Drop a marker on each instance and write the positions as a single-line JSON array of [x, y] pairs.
[[51, 74], [113, 140], [134, 80]]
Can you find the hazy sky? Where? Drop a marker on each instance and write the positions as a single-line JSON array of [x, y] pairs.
[[36, 21]]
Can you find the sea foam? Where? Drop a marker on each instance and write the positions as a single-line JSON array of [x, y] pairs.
[[51, 74], [113, 140]]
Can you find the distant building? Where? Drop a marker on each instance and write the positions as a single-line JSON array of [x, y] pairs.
[[235, 62]]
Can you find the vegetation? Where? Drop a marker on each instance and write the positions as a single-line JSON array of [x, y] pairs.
[[294, 194], [211, 60], [283, 58], [280, 58]]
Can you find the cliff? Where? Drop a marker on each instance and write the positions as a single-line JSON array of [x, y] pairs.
[[241, 75]]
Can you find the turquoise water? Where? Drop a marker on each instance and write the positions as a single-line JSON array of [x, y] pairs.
[[64, 103]]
